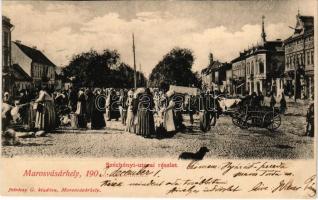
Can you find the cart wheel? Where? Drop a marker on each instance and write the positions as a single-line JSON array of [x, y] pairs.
[[273, 120], [235, 120], [245, 122]]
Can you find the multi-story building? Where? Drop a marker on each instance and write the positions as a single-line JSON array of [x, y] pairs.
[[238, 74], [299, 59], [264, 67], [22, 80], [34, 63], [7, 76], [214, 75]]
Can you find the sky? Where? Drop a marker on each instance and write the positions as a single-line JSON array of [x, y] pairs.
[[62, 29]]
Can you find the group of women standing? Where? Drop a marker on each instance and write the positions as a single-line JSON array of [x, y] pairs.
[[142, 111], [137, 110], [90, 108]]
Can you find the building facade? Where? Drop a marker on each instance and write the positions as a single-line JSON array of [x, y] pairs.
[[264, 68], [34, 63], [299, 59], [214, 75], [7, 75], [260, 68], [239, 74], [22, 80]]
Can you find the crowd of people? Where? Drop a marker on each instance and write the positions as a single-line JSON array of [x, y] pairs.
[[146, 112]]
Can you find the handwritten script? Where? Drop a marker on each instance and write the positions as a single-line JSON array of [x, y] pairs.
[[221, 178]]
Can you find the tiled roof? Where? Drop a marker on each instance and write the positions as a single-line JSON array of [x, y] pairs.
[[17, 69], [34, 54], [215, 66]]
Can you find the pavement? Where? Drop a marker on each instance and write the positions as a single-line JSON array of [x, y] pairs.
[[224, 140]]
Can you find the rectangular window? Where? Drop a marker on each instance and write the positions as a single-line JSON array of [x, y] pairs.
[[312, 57], [308, 57]]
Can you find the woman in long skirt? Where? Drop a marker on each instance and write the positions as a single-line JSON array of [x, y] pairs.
[[81, 110], [45, 112], [89, 103], [97, 117], [130, 113], [123, 106], [146, 124], [169, 116]]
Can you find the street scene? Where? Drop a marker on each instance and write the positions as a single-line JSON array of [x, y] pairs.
[[153, 82]]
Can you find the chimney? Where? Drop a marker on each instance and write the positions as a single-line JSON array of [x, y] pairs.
[[18, 41], [211, 58]]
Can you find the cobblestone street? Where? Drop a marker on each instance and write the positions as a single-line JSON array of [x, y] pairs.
[[224, 141]]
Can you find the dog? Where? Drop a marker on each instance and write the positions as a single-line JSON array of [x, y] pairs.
[[194, 156]]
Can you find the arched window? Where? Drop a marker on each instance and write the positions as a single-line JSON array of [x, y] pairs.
[[248, 68]]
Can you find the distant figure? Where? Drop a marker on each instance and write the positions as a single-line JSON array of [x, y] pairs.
[[81, 109], [310, 121], [97, 116], [273, 101], [123, 106], [130, 119], [73, 99], [89, 103], [194, 156], [255, 101], [283, 104], [169, 115], [260, 98], [112, 107]]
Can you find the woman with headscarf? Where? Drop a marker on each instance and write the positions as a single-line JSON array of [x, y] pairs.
[[45, 113], [89, 103], [122, 106], [112, 106], [130, 113], [81, 109], [145, 124], [169, 115], [97, 117]]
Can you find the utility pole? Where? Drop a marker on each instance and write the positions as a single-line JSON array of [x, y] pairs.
[[295, 77], [139, 77], [134, 52]]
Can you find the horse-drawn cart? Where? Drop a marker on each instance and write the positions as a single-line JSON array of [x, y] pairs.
[[262, 117]]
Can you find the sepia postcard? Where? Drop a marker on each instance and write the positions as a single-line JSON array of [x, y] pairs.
[[186, 99]]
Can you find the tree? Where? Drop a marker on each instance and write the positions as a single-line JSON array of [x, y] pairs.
[[100, 70], [174, 68]]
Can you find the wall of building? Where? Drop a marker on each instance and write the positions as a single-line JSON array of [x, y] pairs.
[[18, 57], [256, 70], [20, 85], [6, 40], [40, 70]]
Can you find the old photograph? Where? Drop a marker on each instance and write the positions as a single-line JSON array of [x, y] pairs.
[[156, 79], [212, 99]]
